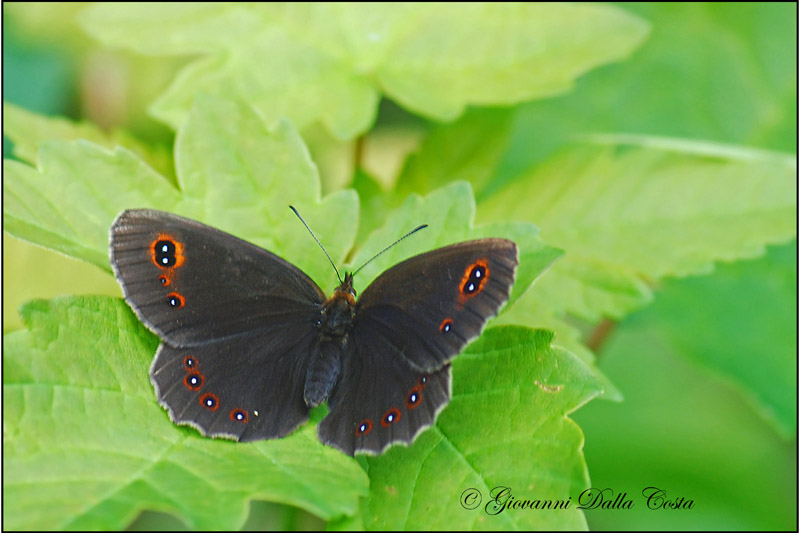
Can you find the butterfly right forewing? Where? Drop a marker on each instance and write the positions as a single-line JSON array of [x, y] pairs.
[[426, 309]]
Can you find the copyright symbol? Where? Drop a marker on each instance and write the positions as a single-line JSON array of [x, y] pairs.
[[470, 499]]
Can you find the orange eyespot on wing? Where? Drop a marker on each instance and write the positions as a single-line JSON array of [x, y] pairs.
[[166, 252], [175, 300], [474, 280], [364, 427]]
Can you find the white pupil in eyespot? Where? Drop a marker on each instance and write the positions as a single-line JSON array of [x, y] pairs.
[[165, 260], [477, 273], [363, 427], [471, 287], [164, 248]]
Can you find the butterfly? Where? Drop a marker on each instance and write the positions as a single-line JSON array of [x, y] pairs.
[[250, 343]]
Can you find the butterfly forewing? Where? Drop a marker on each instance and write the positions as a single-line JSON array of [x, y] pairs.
[[190, 282], [427, 308]]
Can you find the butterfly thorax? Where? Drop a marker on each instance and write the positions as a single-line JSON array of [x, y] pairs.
[[337, 312]]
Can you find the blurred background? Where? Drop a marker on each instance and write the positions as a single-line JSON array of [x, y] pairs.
[[694, 421]]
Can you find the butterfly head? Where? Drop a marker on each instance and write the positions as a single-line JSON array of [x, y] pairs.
[[346, 290]]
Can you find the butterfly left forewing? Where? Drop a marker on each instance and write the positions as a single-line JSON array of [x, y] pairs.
[[188, 281]]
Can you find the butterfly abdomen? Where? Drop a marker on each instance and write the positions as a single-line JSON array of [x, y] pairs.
[[334, 322], [323, 372]]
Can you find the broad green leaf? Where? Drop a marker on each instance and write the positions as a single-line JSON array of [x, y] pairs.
[[235, 173], [535, 312], [626, 208], [746, 329], [525, 51], [171, 27], [82, 431], [329, 63], [28, 130], [69, 202], [280, 76], [506, 425]]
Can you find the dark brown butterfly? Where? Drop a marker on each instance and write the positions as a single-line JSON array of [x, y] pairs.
[[250, 342]]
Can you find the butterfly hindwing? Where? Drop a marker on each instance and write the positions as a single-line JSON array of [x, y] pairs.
[[382, 400], [168, 265], [242, 388]]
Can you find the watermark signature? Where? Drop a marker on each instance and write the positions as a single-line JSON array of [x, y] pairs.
[[501, 499]]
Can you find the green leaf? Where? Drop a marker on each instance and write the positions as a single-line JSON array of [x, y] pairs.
[[68, 204], [28, 130], [506, 425], [535, 312], [83, 432], [181, 28], [286, 81], [626, 208], [424, 56], [526, 51], [235, 173], [753, 340]]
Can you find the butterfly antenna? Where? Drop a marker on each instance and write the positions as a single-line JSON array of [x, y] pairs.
[[320, 244], [413, 231]]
